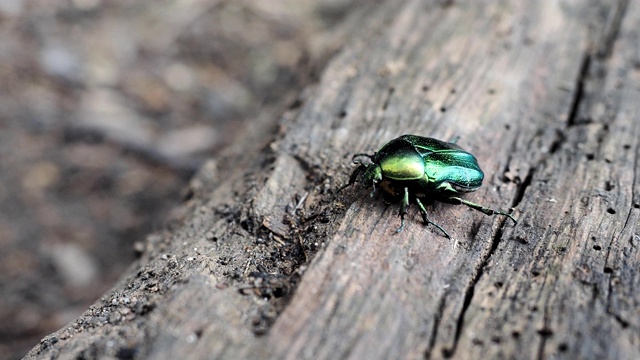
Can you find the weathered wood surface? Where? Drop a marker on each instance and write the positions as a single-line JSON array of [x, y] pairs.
[[267, 263]]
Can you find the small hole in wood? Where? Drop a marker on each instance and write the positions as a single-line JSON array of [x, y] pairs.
[[246, 225], [597, 247], [188, 195], [126, 353], [535, 273], [611, 211], [563, 347], [624, 324], [343, 114], [443, 109], [546, 332], [590, 156], [295, 104], [608, 185], [626, 146], [608, 270]]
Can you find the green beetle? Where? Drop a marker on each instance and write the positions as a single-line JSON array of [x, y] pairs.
[[423, 168]]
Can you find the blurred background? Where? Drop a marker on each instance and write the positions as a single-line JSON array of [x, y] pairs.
[[107, 107]]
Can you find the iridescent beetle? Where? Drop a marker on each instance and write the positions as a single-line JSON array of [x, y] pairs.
[[422, 167]]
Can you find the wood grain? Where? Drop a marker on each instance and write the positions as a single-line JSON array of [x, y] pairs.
[[545, 94]]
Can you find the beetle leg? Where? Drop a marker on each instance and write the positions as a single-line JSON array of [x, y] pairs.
[[483, 209], [403, 208], [454, 139], [352, 178], [426, 220]]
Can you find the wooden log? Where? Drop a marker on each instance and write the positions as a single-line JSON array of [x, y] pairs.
[[270, 263]]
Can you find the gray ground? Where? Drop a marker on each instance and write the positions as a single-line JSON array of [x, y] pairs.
[[106, 110]]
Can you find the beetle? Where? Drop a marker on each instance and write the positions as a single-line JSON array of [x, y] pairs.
[[417, 167]]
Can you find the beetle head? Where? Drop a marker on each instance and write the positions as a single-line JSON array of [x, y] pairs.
[[367, 173], [372, 174]]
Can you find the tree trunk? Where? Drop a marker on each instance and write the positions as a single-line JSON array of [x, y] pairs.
[[269, 261]]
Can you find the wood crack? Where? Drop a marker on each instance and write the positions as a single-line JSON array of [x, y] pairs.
[[609, 269], [436, 324], [522, 187], [612, 31], [578, 94], [470, 290]]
